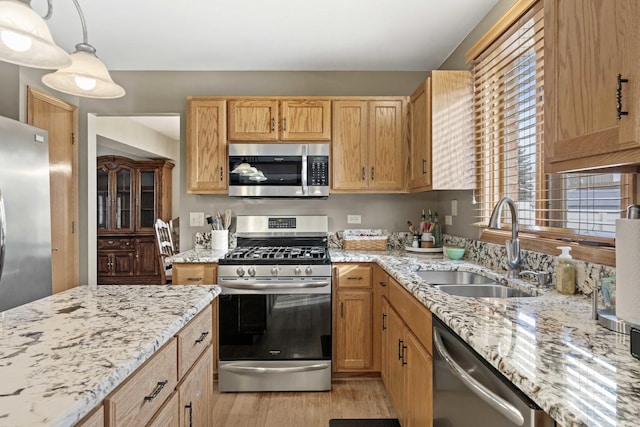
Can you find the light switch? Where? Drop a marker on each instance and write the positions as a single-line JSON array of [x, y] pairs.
[[454, 207], [448, 220], [196, 219]]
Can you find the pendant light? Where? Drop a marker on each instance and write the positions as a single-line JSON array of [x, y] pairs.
[[87, 76], [25, 38]]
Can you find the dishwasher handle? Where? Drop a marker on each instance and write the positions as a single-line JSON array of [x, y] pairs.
[[492, 399]]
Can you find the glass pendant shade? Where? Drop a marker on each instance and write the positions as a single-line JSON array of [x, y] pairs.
[[25, 38], [87, 76]]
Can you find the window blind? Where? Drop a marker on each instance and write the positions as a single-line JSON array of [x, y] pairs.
[[509, 135]]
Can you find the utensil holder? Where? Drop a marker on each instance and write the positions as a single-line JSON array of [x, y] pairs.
[[220, 240]]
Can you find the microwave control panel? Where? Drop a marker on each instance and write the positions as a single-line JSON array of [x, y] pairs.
[[318, 170]]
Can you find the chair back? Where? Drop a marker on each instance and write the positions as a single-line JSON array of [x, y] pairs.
[[163, 233]]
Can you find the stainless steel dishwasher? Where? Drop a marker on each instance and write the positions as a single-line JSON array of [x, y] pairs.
[[467, 391]]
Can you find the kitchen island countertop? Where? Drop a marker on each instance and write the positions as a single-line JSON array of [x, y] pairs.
[[577, 371], [62, 355], [198, 255]]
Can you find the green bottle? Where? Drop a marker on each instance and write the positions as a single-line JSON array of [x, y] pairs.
[[437, 232]]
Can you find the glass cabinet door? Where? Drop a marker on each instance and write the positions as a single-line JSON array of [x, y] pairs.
[[147, 199], [103, 199], [124, 202]]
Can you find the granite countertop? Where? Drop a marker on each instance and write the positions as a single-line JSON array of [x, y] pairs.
[[62, 355], [548, 346], [198, 255]]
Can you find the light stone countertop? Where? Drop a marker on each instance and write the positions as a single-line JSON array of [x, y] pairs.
[[62, 355], [198, 256], [577, 371]]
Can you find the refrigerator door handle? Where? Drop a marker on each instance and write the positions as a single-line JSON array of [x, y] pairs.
[[3, 232]]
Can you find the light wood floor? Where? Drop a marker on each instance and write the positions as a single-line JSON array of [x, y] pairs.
[[351, 398]]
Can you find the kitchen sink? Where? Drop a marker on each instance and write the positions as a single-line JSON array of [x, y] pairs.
[[484, 291], [454, 278]]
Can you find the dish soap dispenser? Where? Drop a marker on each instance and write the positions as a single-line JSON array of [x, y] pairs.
[[565, 272]]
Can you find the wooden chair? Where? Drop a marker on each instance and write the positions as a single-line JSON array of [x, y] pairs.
[[165, 250]]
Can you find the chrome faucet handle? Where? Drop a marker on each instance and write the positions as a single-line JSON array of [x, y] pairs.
[[542, 276]]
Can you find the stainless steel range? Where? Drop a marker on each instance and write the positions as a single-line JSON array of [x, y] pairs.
[[275, 306]]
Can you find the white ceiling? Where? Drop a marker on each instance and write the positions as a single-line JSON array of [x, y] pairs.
[[390, 35]]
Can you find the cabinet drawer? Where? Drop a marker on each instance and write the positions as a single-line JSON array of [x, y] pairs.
[[193, 339], [353, 276], [144, 392], [194, 274], [115, 244], [413, 312]]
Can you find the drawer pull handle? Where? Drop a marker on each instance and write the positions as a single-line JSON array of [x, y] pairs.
[[194, 279], [202, 337], [619, 112], [354, 278], [384, 285], [157, 391]]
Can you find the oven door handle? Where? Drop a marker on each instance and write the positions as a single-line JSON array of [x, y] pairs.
[[303, 172], [267, 286], [281, 370], [492, 399]]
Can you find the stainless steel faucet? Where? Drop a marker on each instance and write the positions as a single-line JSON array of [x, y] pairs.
[[542, 277], [514, 258]]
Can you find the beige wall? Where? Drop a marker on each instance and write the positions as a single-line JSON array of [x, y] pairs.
[[462, 224]]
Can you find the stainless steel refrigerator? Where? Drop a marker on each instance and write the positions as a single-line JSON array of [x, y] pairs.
[[25, 218]]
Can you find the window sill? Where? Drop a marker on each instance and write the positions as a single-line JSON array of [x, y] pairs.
[[532, 242]]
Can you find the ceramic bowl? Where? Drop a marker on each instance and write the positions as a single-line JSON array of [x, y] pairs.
[[454, 253]]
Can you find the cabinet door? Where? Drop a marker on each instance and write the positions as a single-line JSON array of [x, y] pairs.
[[253, 120], [354, 341], [349, 146], [395, 374], [306, 120], [122, 263], [420, 125], [379, 285], [104, 263], [196, 393], [206, 147], [147, 262], [587, 44], [148, 199], [122, 199], [418, 377], [386, 169], [104, 200], [385, 341]]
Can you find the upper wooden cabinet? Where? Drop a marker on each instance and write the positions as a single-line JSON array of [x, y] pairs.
[[279, 120], [206, 146], [368, 151], [441, 127], [587, 45]]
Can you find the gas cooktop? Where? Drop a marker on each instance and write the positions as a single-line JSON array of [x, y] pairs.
[[277, 255]]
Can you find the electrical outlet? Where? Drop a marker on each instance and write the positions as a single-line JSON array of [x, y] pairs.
[[448, 220], [196, 219], [354, 219], [454, 208]]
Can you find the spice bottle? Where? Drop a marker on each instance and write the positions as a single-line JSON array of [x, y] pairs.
[[565, 272]]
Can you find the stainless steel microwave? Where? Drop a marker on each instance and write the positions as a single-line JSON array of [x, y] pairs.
[[279, 170]]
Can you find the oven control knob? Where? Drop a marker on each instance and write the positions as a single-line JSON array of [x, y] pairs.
[[297, 271], [251, 271], [308, 271], [274, 271], [240, 271]]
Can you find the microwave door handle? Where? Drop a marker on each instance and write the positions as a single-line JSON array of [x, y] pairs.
[[305, 184]]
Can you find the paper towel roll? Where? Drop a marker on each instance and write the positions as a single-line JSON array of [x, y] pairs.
[[628, 270]]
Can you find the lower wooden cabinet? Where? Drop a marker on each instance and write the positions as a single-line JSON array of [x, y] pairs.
[[196, 393], [173, 388], [128, 261], [94, 419], [353, 315], [407, 362]]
